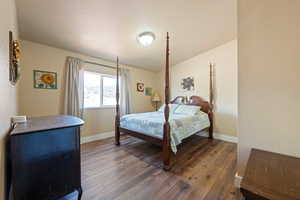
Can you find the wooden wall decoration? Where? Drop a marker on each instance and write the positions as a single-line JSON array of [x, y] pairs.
[[140, 87], [14, 59]]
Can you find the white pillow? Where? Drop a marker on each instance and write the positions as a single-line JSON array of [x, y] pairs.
[[187, 110], [172, 108]]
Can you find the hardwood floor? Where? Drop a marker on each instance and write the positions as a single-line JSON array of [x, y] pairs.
[[204, 170]]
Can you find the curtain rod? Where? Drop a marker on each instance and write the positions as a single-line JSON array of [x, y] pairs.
[[108, 66]]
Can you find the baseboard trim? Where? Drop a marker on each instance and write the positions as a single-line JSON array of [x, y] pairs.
[[237, 181], [221, 137], [106, 135], [99, 136]]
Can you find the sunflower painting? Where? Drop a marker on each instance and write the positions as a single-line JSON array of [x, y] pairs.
[[44, 79]]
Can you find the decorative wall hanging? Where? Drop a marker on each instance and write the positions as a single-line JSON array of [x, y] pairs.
[[140, 87], [44, 79], [14, 59], [148, 91], [187, 84]]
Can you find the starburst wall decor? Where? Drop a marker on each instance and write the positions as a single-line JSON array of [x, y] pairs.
[[187, 84]]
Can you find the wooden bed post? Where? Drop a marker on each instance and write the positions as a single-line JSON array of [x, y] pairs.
[[211, 101], [117, 120], [166, 136]]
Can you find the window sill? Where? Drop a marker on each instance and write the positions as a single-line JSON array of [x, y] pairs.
[[100, 108]]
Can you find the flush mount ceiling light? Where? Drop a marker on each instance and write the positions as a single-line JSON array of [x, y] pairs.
[[146, 38]]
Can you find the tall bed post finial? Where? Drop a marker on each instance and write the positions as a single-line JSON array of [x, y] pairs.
[[211, 101], [211, 96], [117, 119], [166, 136]]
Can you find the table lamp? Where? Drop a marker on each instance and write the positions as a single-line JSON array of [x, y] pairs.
[[155, 99]]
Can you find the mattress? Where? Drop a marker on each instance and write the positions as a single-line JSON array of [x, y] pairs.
[[151, 123]]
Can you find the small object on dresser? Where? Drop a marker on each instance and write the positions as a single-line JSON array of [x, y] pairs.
[[19, 119]]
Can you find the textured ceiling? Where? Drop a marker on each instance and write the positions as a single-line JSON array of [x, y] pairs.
[[108, 28]]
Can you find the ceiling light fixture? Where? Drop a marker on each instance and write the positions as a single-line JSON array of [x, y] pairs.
[[146, 38]]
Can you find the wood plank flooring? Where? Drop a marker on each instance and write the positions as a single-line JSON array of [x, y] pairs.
[[204, 170]]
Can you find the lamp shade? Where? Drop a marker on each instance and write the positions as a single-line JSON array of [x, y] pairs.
[[155, 97]]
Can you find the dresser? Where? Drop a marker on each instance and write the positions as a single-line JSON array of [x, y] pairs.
[[43, 158]]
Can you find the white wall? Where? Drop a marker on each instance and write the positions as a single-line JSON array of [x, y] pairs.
[[37, 102], [269, 77], [8, 103], [225, 83]]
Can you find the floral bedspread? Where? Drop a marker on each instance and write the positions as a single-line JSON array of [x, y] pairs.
[[151, 123]]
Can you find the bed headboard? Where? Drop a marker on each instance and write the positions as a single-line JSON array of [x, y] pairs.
[[194, 101]]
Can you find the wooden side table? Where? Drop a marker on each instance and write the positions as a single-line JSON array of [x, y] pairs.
[[271, 176]]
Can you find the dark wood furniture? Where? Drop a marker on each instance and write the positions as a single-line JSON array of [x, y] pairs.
[[165, 142], [44, 158], [271, 176]]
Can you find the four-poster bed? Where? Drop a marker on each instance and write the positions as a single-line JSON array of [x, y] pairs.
[[163, 137]]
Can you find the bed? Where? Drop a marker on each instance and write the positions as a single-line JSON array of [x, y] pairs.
[[168, 126], [182, 125]]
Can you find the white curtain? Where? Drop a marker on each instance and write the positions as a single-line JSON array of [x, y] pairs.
[[125, 92], [74, 87]]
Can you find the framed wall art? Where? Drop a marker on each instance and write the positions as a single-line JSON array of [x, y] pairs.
[[187, 84], [44, 79], [140, 87], [148, 91]]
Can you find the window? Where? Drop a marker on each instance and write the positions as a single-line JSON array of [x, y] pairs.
[[99, 90], [109, 90]]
